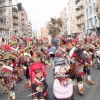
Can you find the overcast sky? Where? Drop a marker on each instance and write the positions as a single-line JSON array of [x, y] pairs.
[[40, 11]]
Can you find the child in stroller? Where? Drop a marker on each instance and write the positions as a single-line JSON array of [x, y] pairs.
[[39, 86], [62, 86], [64, 79]]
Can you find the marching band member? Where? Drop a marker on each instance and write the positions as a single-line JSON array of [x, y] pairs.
[[88, 64]]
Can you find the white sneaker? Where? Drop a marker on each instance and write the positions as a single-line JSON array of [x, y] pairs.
[[34, 99]]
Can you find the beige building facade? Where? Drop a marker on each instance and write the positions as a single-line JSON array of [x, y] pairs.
[[92, 16], [43, 32], [11, 19], [80, 16], [72, 16], [5, 17], [24, 22], [29, 29]]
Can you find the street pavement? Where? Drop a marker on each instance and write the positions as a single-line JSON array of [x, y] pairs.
[[91, 93]]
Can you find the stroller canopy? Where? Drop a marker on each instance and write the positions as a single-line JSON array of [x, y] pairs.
[[34, 67]]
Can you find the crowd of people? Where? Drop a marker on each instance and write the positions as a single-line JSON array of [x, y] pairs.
[[20, 55]]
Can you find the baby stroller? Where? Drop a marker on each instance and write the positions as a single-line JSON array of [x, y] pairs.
[[32, 69], [97, 59], [61, 92]]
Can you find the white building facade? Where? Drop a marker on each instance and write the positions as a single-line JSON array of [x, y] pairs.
[[29, 34], [5, 16], [37, 34], [91, 18], [68, 20]]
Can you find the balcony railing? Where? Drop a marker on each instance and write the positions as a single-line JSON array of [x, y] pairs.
[[15, 27], [80, 2], [80, 14], [79, 7], [2, 0], [3, 15], [80, 21], [3, 26], [15, 21], [15, 14], [2, 8], [76, 1]]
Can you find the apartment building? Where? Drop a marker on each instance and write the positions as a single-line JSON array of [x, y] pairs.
[[37, 34], [64, 20], [29, 28], [92, 11], [15, 15], [43, 32], [72, 16], [5, 17], [80, 15], [24, 22]]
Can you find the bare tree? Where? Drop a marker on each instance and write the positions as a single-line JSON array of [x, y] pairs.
[[55, 26]]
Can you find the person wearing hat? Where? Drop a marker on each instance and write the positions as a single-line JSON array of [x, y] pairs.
[[1, 58], [88, 64], [76, 71], [74, 53], [26, 63], [14, 46], [10, 82], [61, 50]]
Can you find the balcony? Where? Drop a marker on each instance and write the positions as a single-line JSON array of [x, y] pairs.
[[79, 14], [3, 16], [2, 26], [80, 2], [76, 1], [22, 17], [15, 21], [2, 5], [15, 27], [80, 21], [30, 31], [22, 12], [15, 12], [79, 8]]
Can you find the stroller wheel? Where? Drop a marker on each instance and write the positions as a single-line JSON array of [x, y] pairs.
[[55, 98], [47, 97], [72, 97]]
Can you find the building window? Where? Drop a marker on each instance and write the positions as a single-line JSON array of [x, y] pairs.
[[95, 21], [91, 22], [90, 8], [87, 24], [94, 7], [87, 12], [86, 2]]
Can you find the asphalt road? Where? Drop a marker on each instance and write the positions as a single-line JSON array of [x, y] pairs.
[[91, 93]]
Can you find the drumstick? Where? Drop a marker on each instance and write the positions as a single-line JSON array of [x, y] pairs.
[[32, 94]]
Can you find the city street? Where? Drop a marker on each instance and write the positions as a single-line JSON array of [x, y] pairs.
[[91, 93], [34, 31]]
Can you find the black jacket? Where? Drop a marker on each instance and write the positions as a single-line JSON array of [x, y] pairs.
[[44, 83]]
